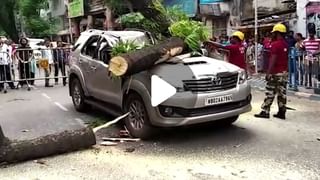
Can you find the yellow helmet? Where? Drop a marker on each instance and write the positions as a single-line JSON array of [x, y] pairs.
[[239, 34], [280, 28]]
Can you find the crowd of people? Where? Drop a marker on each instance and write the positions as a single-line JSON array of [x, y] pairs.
[[19, 62], [303, 63], [279, 54], [240, 54]]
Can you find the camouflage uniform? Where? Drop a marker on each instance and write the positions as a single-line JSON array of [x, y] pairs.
[[276, 85]]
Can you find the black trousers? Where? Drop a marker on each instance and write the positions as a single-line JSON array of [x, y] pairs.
[[5, 75], [62, 66], [25, 73]]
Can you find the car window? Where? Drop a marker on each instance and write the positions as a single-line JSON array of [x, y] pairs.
[[104, 51], [89, 49]]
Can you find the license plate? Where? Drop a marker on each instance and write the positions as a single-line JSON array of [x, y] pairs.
[[218, 100]]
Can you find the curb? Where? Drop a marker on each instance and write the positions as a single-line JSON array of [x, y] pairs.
[[313, 97], [308, 96]]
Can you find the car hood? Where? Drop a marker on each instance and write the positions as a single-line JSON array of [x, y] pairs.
[[192, 68]]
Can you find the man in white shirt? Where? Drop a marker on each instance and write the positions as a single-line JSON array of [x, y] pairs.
[[5, 61]]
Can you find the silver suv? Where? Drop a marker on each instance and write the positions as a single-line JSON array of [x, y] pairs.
[[207, 89]]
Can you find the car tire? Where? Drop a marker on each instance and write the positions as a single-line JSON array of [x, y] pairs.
[[137, 122], [78, 97]]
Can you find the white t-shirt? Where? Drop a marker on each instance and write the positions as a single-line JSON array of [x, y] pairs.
[[47, 54], [5, 57]]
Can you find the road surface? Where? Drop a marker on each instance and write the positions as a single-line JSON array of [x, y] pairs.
[[250, 149]]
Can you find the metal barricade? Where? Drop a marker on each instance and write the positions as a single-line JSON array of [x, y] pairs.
[[28, 67], [304, 69]]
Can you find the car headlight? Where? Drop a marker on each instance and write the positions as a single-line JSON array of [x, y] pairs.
[[242, 77]]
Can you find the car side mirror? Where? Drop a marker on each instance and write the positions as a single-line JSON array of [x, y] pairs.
[[75, 47]]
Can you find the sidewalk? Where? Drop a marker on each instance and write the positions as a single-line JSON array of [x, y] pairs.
[[259, 82]]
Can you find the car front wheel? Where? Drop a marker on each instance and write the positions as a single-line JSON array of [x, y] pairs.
[[78, 97], [137, 121]]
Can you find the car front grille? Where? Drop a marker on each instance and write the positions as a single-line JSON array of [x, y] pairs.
[[222, 81]]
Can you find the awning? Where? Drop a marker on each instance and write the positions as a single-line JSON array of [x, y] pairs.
[[252, 26]]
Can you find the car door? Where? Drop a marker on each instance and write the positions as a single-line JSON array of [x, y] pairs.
[[104, 86], [87, 54]]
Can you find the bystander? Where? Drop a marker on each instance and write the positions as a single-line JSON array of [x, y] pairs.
[[312, 47], [59, 62]]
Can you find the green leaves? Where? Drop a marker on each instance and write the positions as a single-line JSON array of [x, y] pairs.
[[193, 33], [35, 25], [123, 47], [131, 20]]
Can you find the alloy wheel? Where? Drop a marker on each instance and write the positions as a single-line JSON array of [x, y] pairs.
[[137, 114]]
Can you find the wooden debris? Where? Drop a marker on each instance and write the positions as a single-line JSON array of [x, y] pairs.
[[40, 162], [108, 143], [124, 133], [130, 150], [110, 123], [236, 146], [121, 139]]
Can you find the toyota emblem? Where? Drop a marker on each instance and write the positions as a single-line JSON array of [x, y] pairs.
[[216, 80]]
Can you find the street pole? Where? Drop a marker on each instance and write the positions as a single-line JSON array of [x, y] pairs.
[[256, 34], [70, 31]]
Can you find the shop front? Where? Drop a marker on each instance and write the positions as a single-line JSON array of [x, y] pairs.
[[216, 15]]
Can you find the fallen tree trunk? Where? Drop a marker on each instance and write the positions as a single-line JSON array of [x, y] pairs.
[[66, 141], [140, 60], [3, 139]]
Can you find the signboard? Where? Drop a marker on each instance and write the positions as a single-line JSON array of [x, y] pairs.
[[76, 8], [210, 1], [187, 6]]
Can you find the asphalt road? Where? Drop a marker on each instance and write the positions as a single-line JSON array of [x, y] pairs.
[[250, 149]]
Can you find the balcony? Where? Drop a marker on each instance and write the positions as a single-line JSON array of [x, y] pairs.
[[96, 5], [214, 7]]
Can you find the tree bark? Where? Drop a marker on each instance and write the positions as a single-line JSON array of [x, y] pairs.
[[140, 60], [90, 22], [7, 19], [2, 137], [66, 141], [109, 19], [76, 26]]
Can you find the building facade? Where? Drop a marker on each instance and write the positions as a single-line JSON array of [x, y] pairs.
[[58, 10], [308, 11]]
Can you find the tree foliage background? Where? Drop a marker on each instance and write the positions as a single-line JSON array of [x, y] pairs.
[[29, 12], [36, 25]]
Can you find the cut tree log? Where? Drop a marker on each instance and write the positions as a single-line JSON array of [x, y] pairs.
[[66, 141], [121, 139], [143, 59], [2, 137]]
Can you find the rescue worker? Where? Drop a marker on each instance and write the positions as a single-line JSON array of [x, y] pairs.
[[277, 74], [236, 49]]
